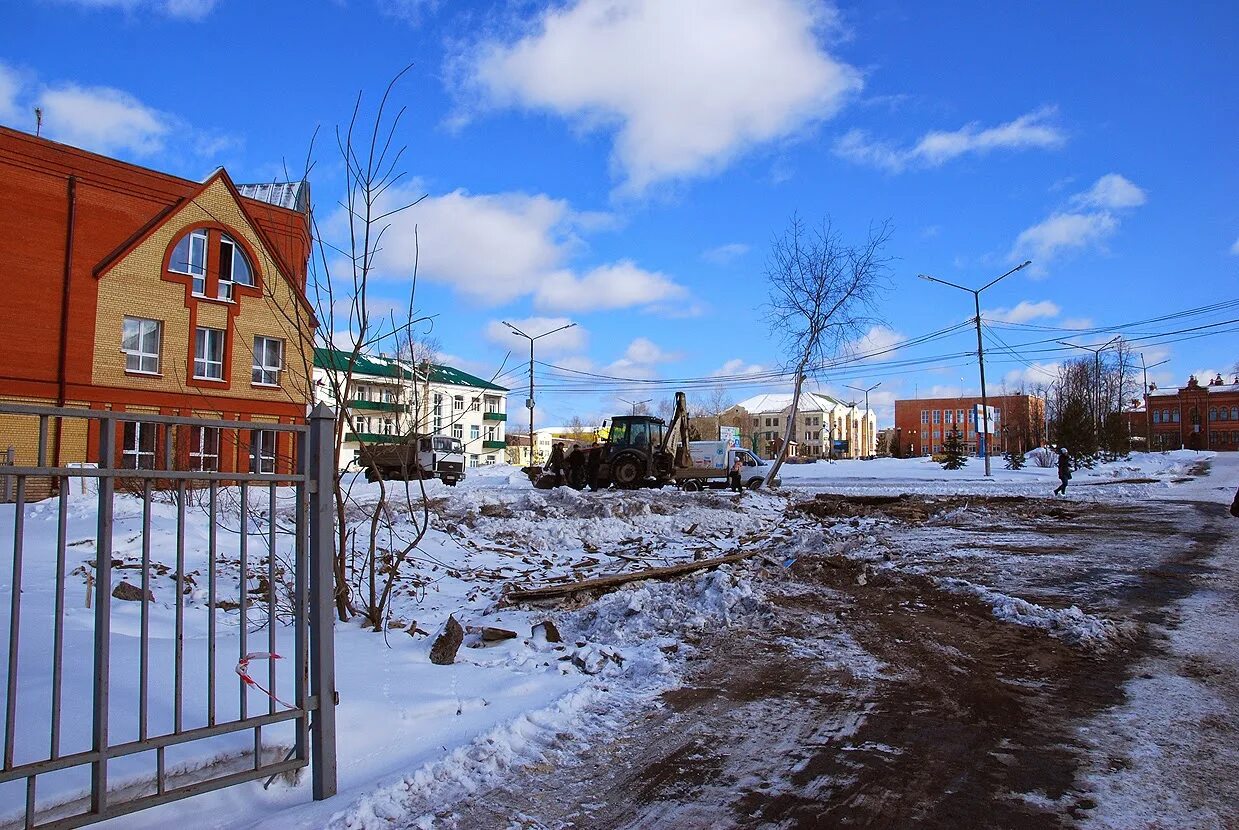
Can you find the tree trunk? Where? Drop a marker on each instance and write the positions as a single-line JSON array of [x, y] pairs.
[[791, 428]]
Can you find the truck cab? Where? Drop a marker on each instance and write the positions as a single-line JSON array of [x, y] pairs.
[[712, 462], [417, 456]]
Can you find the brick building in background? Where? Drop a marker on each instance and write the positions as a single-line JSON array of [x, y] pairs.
[[132, 290], [1195, 417], [921, 425]]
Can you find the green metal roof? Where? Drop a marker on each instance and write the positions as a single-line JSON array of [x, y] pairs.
[[337, 360]]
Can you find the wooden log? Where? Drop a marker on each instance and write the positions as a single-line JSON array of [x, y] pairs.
[[603, 583]]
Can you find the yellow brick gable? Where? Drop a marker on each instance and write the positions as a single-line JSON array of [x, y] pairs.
[[133, 287]]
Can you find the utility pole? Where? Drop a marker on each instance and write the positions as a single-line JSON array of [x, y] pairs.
[[634, 404], [1148, 414], [530, 401], [867, 391], [1096, 350], [983, 443]]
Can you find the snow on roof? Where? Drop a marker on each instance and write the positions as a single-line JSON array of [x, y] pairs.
[[777, 402], [290, 195], [379, 366]]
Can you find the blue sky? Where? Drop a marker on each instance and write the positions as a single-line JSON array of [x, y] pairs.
[[624, 165]]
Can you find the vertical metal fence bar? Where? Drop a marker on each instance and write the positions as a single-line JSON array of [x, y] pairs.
[[103, 618], [144, 674], [178, 647], [322, 591], [244, 599], [15, 607], [271, 597], [211, 559], [301, 644], [42, 454], [169, 440], [30, 801], [58, 623]]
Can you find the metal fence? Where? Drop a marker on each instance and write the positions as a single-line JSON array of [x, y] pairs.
[[114, 718]]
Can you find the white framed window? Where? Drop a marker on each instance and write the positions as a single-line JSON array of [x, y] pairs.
[[209, 354], [268, 360], [262, 451], [475, 405], [475, 432], [490, 433], [490, 459], [458, 403], [363, 423], [458, 431], [389, 427], [138, 446], [438, 412], [204, 449], [473, 460], [189, 257], [233, 267], [140, 341]]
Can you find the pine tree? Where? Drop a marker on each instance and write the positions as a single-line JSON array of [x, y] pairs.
[[1015, 458], [1078, 434], [1116, 444], [953, 450]]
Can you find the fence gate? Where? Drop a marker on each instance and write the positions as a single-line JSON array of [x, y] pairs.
[[169, 628]]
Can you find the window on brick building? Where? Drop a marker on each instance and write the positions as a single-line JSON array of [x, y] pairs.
[[262, 451], [1174, 416], [233, 267], [204, 449], [924, 416], [937, 416], [138, 446], [140, 340], [189, 257], [1157, 416], [268, 360], [209, 354]]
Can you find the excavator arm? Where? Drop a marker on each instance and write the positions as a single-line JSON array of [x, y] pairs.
[[678, 429]]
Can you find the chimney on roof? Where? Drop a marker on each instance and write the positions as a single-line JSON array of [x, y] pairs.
[[1217, 381]]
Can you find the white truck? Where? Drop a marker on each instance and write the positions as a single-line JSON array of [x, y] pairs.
[[417, 456], [712, 461]]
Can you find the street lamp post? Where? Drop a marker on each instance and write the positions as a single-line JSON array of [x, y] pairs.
[[976, 296], [1148, 415], [866, 391], [529, 402], [634, 404], [1096, 350]]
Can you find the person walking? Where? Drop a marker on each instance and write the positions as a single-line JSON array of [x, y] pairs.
[[556, 461], [734, 477], [576, 467], [1064, 471]]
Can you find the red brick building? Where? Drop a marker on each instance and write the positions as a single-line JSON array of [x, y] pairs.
[[1196, 416], [922, 424], [133, 290]]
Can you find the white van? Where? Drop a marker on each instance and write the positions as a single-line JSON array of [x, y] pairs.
[[712, 462]]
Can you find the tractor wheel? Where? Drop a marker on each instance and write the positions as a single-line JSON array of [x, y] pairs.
[[371, 475], [626, 473]]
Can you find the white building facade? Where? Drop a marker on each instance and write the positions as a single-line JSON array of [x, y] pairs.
[[824, 428], [387, 399]]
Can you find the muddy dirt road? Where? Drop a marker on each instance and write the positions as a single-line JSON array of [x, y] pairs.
[[882, 694]]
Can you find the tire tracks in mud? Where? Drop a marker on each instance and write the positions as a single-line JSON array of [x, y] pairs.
[[879, 702]]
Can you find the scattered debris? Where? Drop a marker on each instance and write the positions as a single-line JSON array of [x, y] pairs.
[[129, 592], [547, 630]]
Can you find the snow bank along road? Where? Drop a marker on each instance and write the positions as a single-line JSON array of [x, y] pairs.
[[950, 662]]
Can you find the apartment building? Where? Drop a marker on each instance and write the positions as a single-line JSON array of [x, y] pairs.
[[387, 398], [136, 291], [1195, 416]]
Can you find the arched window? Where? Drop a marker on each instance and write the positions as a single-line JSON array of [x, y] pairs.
[[1213, 413], [1157, 416], [202, 252]]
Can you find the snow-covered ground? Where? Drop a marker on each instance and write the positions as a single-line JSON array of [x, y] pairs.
[[412, 733]]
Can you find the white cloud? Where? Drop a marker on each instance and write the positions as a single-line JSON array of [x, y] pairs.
[[1234, 249], [1024, 311], [10, 85], [644, 350], [875, 344], [737, 366], [1064, 231], [1079, 228], [1034, 373], [1111, 191], [685, 84], [937, 147], [725, 254], [620, 285], [495, 248], [574, 339], [183, 9], [103, 119]]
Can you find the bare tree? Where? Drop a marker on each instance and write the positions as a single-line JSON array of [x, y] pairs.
[[823, 293]]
